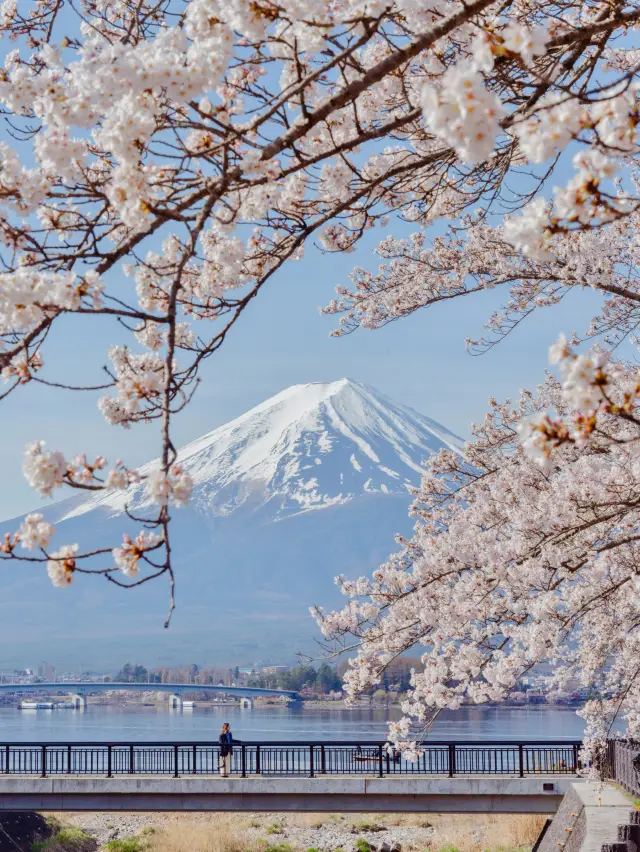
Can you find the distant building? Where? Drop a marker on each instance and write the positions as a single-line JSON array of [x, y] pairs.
[[47, 671], [274, 670]]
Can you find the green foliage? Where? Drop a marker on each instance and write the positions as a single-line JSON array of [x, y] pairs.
[[126, 844], [448, 848], [70, 838], [362, 845], [279, 847], [324, 679], [363, 825], [136, 674], [274, 828]]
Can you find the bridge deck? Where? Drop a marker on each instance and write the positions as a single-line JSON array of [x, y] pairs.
[[88, 687], [279, 776], [334, 794]]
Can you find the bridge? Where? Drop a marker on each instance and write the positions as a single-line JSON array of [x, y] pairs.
[[463, 777], [79, 691]]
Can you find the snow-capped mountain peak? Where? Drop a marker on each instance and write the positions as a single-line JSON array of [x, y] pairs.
[[308, 447]]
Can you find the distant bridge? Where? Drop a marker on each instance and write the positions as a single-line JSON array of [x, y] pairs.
[[462, 777], [79, 691]]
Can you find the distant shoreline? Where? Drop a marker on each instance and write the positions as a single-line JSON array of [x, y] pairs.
[[393, 705]]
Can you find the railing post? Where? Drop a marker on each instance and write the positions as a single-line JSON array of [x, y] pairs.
[[380, 773], [310, 761], [195, 759], [323, 761], [131, 760], [244, 760], [521, 760], [175, 761], [69, 759], [44, 761], [6, 758], [452, 760], [258, 759], [109, 756], [575, 757]]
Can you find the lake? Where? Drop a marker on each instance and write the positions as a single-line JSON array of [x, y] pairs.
[[133, 723]]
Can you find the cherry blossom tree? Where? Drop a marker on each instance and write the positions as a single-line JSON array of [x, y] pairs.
[[163, 159], [525, 551], [526, 548]]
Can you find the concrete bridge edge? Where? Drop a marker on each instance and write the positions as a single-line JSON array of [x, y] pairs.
[[189, 793]]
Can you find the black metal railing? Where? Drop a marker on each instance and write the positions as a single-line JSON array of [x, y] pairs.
[[289, 758], [621, 763]]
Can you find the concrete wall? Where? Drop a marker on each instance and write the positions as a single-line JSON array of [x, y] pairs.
[[587, 819], [437, 795]]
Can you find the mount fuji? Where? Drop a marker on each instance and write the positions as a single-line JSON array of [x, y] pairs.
[[311, 483]]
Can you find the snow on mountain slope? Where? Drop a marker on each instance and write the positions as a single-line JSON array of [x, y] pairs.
[[251, 553], [310, 446]]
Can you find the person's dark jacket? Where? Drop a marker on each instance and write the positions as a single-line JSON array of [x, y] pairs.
[[226, 741]]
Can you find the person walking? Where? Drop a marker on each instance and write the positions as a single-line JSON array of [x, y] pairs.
[[226, 750]]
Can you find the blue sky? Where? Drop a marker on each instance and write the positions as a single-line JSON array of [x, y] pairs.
[[283, 340]]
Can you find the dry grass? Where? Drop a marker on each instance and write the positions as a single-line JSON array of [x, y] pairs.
[[221, 835], [475, 833], [464, 832], [253, 832]]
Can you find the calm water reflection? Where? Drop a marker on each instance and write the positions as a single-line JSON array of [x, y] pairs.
[[275, 723]]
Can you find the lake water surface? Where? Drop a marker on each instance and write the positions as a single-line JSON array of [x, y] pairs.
[[136, 724]]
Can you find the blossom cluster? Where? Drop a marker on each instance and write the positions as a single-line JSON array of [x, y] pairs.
[[27, 294], [174, 486], [139, 380], [127, 556], [45, 470], [461, 110], [590, 383], [61, 565], [34, 533]]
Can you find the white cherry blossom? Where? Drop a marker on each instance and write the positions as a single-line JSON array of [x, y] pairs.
[[34, 532], [127, 556], [175, 486], [44, 470], [62, 565]]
